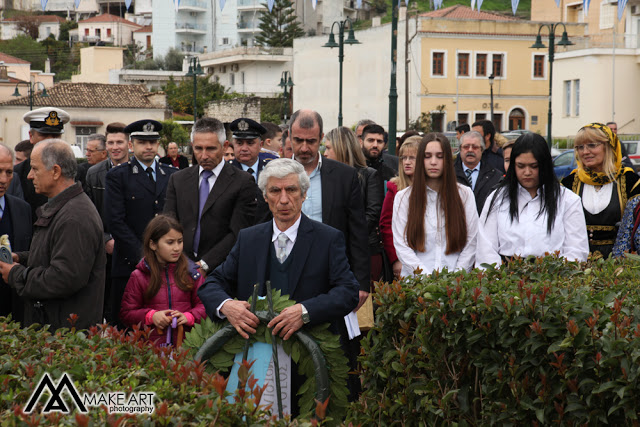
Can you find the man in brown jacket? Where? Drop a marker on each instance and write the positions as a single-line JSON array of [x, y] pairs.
[[63, 272]]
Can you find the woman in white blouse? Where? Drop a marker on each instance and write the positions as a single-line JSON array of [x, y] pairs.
[[435, 222], [531, 213]]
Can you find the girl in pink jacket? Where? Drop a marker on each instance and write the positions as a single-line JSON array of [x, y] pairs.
[[164, 285]]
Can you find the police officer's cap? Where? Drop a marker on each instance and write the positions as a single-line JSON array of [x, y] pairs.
[[244, 128], [146, 130], [47, 120]]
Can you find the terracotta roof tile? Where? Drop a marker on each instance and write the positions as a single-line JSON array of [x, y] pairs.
[[106, 17], [90, 95], [8, 59], [464, 12], [146, 29]]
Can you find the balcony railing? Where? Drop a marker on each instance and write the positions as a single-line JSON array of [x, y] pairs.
[[252, 25], [605, 41], [192, 3], [252, 3], [189, 26]]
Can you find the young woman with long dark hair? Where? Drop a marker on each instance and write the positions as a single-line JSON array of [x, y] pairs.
[[435, 220], [531, 213]]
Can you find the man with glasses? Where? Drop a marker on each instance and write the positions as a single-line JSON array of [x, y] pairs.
[[474, 173], [96, 152]]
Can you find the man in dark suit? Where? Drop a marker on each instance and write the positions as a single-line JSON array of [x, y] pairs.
[[173, 158], [213, 201], [303, 258], [334, 199], [470, 171], [96, 152], [134, 193], [15, 221], [44, 123]]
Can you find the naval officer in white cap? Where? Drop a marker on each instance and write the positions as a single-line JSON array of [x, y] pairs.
[[44, 123]]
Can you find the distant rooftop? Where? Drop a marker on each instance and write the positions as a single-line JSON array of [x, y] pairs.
[[145, 29], [8, 59], [464, 12], [106, 17], [91, 95]]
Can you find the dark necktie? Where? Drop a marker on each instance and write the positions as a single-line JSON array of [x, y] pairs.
[[150, 173], [470, 172], [202, 199], [250, 170]]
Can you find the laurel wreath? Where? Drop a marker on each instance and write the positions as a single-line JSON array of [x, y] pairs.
[[329, 343]]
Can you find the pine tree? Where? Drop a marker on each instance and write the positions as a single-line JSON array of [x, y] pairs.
[[280, 26]]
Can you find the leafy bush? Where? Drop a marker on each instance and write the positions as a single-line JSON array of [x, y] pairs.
[[537, 342], [103, 360]]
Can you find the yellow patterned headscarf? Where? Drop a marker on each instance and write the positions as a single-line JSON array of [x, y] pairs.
[[590, 177]]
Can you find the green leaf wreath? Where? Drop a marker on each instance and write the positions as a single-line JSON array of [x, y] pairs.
[[337, 364]]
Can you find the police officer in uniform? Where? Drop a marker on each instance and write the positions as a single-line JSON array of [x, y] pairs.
[[135, 193], [44, 123], [247, 143]]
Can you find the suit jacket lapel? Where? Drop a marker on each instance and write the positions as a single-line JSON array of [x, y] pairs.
[[191, 189], [262, 256], [300, 252], [162, 179]]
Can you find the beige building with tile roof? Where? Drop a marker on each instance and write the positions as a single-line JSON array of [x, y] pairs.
[[461, 48], [91, 105], [107, 28]]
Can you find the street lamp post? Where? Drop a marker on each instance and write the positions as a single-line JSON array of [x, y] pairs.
[[31, 88], [393, 90], [564, 41], [351, 39], [286, 82], [195, 70], [491, 77]]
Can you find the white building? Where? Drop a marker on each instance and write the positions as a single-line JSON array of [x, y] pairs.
[[250, 70], [108, 29], [48, 25], [366, 77], [188, 29]]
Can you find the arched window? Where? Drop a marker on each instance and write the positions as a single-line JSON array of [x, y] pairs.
[[516, 119]]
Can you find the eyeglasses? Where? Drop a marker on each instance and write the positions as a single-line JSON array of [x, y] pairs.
[[89, 150], [469, 147], [410, 158], [591, 146]]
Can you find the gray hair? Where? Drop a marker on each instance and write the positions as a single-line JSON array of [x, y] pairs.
[[473, 134], [365, 122], [210, 125], [306, 119], [102, 140], [281, 168], [58, 152], [9, 152]]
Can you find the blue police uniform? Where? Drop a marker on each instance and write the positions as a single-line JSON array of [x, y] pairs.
[[131, 200]]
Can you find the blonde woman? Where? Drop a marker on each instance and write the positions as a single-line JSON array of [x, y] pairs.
[[408, 153], [341, 145], [603, 184]]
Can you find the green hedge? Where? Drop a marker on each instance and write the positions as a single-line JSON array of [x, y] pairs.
[[538, 342], [105, 360]]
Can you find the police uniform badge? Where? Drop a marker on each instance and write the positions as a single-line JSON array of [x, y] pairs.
[[148, 127], [53, 119], [243, 126]]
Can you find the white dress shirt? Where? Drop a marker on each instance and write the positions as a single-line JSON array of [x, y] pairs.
[[212, 179], [528, 234], [434, 257]]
